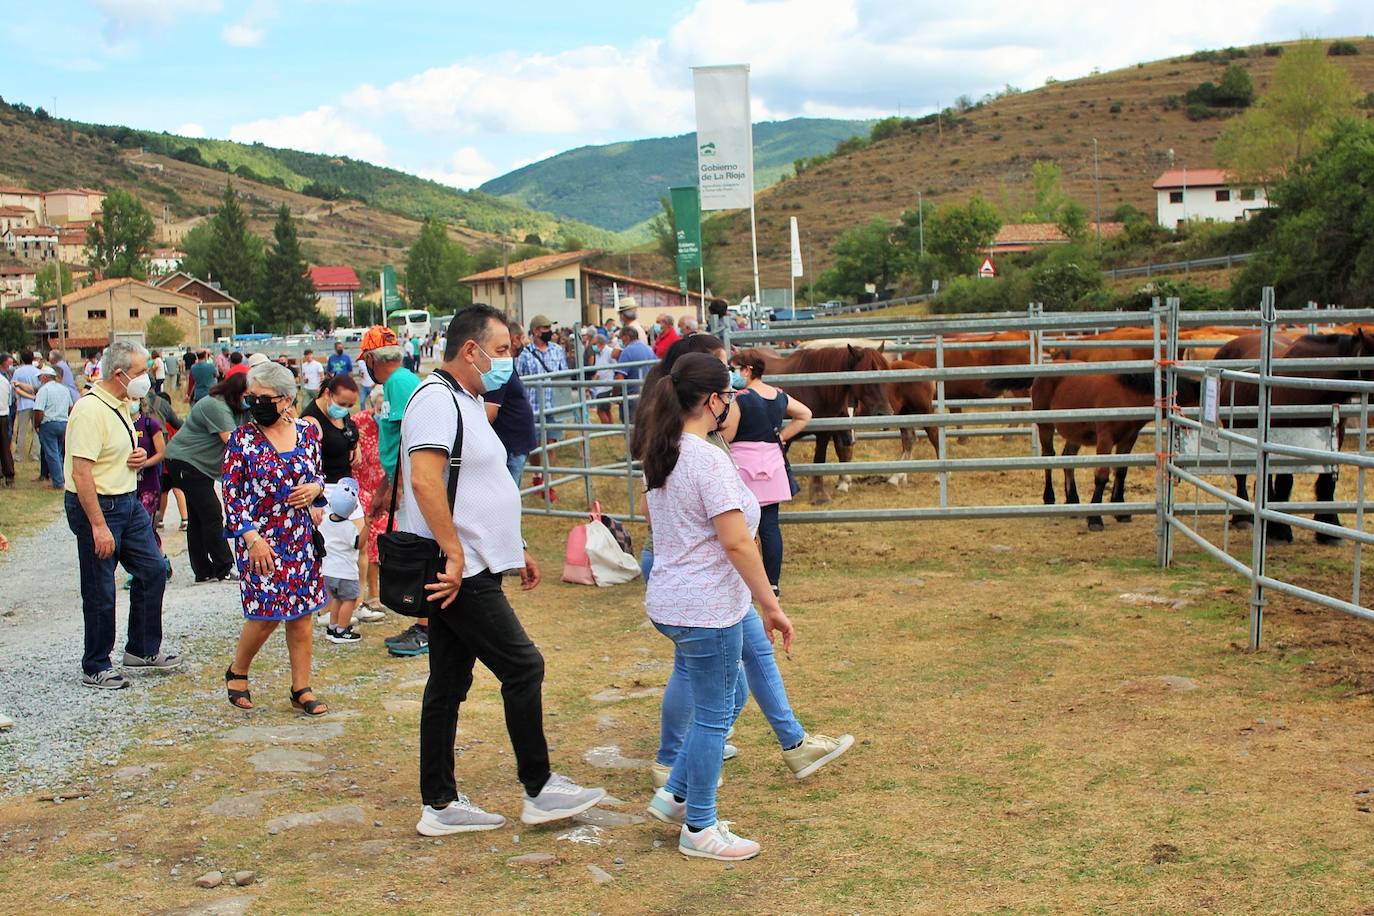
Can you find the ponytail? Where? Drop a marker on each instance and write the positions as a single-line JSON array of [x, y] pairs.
[[664, 406]]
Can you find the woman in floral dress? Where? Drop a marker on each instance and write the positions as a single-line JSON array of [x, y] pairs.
[[272, 479], [367, 470]]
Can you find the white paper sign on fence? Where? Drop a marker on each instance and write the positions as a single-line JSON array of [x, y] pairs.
[[725, 137], [796, 250]]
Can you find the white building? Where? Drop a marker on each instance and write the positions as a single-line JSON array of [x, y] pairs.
[[1205, 195]]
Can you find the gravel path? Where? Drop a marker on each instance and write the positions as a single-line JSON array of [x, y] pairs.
[[60, 725]]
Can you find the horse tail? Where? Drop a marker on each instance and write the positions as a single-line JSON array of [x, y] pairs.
[[1139, 382], [1009, 384]]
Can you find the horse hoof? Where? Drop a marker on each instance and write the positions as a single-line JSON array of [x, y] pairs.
[[820, 500], [1123, 519], [842, 488], [1329, 540], [1280, 537], [1095, 524]]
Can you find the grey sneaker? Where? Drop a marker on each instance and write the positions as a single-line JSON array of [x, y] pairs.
[[560, 798], [404, 635], [109, 679], [415, 643], [161, 660], [460, 816]]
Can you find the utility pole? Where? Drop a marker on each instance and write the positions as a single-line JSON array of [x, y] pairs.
[[1097, 200], [921, 222], [61, 312]]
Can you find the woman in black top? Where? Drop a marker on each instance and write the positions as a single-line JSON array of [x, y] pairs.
[[338, 434], [764, 420]]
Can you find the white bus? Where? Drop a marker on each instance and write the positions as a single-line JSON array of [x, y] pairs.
[[413, 323]]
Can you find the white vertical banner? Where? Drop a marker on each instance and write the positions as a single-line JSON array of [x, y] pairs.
[[725, 137], [796, 250]]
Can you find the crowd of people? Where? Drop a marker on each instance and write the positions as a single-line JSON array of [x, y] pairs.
[[290, 482]]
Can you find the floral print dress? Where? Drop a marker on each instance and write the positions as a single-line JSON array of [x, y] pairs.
[[367, 470], [257, 481]]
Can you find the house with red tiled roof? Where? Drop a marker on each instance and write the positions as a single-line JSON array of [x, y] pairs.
[[1018, 238], [568, 290], [13, 215], [218, 309], [65, 205], [107, 309], [336, 286], [1205, 195], [34, 243], [16, 196], [16, 283]]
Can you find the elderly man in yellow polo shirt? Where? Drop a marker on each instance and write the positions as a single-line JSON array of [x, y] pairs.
[[101, 469]]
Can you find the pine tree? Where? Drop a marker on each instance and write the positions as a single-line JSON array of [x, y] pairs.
[[288, 300], [235, 258], [434, 266]]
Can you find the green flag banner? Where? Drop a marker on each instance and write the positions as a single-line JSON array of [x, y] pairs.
[[687, 216], [391, 296], [682, 272]]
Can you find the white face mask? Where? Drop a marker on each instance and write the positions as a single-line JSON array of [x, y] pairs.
[[138, 388]]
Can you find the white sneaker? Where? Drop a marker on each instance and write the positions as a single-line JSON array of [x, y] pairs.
[[366, 613], [731, 752], [560, 798], [665, 808], [814, 752], [716, 842], [460, 816]]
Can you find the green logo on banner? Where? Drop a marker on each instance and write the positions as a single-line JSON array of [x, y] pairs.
[[687, 217]]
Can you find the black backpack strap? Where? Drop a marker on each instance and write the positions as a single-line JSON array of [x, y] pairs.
[[455, 456]]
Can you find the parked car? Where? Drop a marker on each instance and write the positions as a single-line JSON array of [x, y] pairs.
[[792, 315]]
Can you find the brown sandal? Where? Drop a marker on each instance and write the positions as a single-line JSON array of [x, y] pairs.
[[236, 695], [311, 707]]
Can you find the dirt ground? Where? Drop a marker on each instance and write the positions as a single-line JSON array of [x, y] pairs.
[[1045, 722]]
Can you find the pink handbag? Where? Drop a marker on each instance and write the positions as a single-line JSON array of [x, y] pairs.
[[577, 566]]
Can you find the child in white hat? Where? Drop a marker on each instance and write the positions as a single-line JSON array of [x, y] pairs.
[[340, 565]]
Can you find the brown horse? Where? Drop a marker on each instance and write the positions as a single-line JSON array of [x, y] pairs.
[[971, 388], [832, 400], [1311, 346], [908, 398], [1095, 392]]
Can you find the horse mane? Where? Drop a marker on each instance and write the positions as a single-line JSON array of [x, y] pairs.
[[1139, 382], [1318, 345], [820, 359]]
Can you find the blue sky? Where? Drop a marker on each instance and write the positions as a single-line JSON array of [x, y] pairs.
[[462, 92]]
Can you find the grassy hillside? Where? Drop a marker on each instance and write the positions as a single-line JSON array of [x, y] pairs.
[[618, 185], [374, 185], [1134, 113]]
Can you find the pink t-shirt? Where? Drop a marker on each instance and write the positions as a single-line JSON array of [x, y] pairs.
[[694, 583]]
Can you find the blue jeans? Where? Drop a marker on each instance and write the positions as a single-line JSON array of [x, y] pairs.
[[52, 437], [646, 564], [709, 659], [762, 678], [136, 549], [516, 465]]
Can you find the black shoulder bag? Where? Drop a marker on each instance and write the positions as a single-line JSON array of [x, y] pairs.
[[409, 562]]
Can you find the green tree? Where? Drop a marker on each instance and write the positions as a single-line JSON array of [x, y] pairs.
[[1236, 89], [159, 332], [247, 318], [1072, 220], [120, 242], [866, 254], [13, 335], [288, 301], [434, 266], [1307, 95], [958, 236], [235, 257], [1321, 247], [45, 283]]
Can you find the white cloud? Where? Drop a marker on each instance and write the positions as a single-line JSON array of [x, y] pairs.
[[190, 129], [122, 17], [467, 168], [250, 30], [322, 130]]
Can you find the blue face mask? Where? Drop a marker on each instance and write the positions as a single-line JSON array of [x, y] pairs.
[[499, 373], [737, 381], [244, 404], [337, 411]]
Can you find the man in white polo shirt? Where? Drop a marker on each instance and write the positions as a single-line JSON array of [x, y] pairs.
[[479, 534]]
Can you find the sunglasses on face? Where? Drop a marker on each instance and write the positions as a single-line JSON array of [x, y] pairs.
[[727, 396], [267, 398]]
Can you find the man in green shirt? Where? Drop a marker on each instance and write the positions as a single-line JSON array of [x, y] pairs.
[[203, 376]]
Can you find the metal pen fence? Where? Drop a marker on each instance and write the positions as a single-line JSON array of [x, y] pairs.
[[1164, 423]]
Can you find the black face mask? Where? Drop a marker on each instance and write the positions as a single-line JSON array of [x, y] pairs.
[[546, 336], [264, 410], [722, 416]]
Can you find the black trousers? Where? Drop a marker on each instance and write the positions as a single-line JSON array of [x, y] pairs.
[[206, 547], [6, 452], [480, 625]]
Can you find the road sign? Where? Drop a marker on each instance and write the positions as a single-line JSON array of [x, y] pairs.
[[987, 271]]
